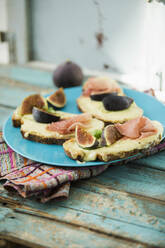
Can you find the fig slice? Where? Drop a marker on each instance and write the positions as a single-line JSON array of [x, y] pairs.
[[84, 139], [43, 116], [109, 135], [31, 101], [99, 97], [57, 99], [116, 103]]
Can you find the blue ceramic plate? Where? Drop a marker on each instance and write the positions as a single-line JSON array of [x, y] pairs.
[[54, 154]]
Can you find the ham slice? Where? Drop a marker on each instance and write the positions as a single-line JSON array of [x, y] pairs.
[[96, 85], [73, 126], [67, 126], [137, 128]]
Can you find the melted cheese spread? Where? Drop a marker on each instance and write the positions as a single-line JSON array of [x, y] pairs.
[[119, 148], [96, 108]]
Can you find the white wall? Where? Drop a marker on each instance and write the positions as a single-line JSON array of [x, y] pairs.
[[3, 15], [18, 28], [66, 30], [134, 32], [4, 48]]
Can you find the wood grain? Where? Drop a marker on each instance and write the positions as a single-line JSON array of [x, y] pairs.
[[134, 178], [50, 233], [37, 77], [102, 210], [12, 93], [157, 161], [4, 114]]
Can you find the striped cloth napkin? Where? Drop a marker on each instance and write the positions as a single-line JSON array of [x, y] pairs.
[[45, 182], [30, 178]]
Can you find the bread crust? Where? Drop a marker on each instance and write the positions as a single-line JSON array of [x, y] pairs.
[[110, 157], [43, 140], [16, 117], [16, 123]]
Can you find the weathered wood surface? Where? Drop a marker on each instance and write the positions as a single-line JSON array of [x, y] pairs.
[[40, 78], [12, 92], [157, 161], [98, 205], [45, 232], [4, 114], [123, 207]]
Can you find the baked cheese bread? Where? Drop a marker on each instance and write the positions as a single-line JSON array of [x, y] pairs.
[[120, 149], [32, 130], [97, 110], [33, 126]]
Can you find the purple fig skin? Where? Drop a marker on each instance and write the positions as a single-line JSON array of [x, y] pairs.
[[42, 116], [116, 103], [109, 135], [67, 75], [100, 97], [50, 105]]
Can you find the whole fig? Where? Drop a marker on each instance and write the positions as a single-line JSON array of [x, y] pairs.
[[67, 75]]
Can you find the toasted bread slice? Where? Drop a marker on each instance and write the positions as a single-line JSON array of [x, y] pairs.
[[120, 149], [35, 131], [96, 108]]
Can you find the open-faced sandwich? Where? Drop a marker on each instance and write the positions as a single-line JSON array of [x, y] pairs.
[[104, 99], [115, 141], [57, 132], [40, 121], [50, 104]]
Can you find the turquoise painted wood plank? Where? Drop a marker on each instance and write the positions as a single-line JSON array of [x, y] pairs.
[[105, 210], [5, 70], [28, 75], [156, 161], [32, 76], [133, 178], [97, 223], [117, 205], [109, 226], [4, 114], [12, 94], [48, 233]]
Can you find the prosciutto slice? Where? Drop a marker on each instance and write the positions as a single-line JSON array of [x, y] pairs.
[[96, 85], [140, 127], [67, 126]]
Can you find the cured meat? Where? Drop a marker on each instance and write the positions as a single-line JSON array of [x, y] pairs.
[[73, 126], [95, 85], [67, 126], [137, 128]]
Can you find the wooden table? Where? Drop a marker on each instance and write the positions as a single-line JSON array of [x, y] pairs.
[[123, 207]]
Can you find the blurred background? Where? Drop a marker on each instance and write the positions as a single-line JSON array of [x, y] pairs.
[[124, 39]]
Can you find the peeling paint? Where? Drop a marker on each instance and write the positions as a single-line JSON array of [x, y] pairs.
[[100, 38]]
